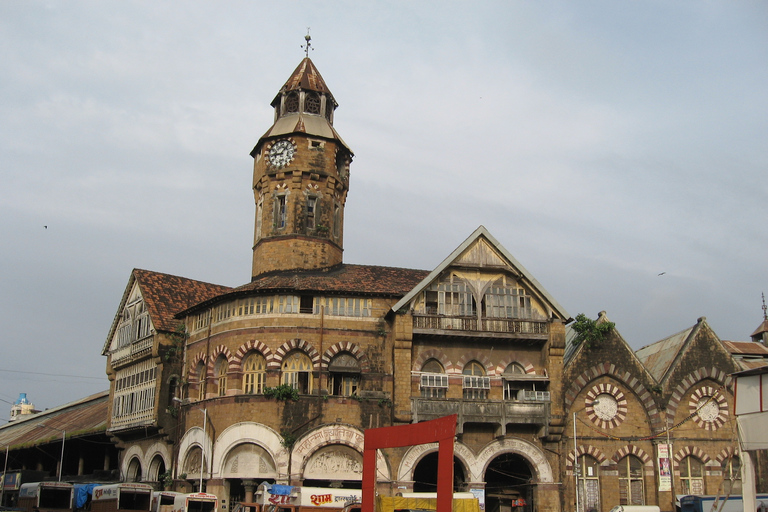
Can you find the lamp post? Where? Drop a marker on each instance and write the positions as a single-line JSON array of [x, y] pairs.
[[63, 439]]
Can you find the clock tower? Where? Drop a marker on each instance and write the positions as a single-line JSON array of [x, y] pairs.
[[300, 179]]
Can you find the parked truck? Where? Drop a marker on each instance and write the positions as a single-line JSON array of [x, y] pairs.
[[195, 502], [126, 497], [46, 497]]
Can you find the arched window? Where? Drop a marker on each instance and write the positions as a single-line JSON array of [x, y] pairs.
[[589, 483], [631, 488], [434, 382], [513, 388], [345, 374], [297, 372], [254, 373], [731, 475], [692, 476], [220, 373], [476, 384], [312, 103], [292, 102]]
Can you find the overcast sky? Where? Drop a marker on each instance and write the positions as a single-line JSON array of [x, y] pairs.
[[601, 143]]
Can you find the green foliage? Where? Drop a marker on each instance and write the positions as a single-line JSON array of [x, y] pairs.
[[289, 439], [282, 392], [166, 479], [590, 331]]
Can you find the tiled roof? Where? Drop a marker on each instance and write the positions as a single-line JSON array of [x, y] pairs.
[[83, 417], [363, 279], [166, 295], [340, 279], [760, 330]]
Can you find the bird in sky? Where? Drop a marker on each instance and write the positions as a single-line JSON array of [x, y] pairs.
[[662, 273]]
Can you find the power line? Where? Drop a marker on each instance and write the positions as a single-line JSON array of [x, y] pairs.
[[53, 374]]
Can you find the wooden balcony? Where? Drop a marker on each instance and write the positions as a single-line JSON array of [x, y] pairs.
[[497, 412], [483, 327], [129, 353]]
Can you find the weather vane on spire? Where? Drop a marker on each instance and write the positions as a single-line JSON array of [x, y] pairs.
[[765, 309], [308, 45]]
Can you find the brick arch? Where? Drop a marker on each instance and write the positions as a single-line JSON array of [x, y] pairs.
[[626, 378], [526, 364], [302, 345], [346, 346], [475, 355], [690, 381], [631, 449], [433, 353], [199, 358], [255, 346], [690, 450], [220, 350], [726, 453], [590, 450]]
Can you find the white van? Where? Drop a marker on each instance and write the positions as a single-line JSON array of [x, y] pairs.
[[635, 508]]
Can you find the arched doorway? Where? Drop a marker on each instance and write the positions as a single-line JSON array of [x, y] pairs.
[[335, 466], [509, 484], [425, 474], [156, 469]]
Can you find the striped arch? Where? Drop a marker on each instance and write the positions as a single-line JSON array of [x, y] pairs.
[[525, 363], [345, 346], [691, 380], [628, 379], [433, 353], [223, 350], [199, 358], [297, 344], [475, 355], [727, 453], [257, 346], [691, 450], [590, 450], [632, 450]]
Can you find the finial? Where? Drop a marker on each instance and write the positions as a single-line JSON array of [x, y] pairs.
[[765, 309], [308, 45]]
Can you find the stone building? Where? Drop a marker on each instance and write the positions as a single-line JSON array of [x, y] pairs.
[[276, 380]]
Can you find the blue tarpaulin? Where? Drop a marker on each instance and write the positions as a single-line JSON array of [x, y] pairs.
[[82, 493], [281, 490]]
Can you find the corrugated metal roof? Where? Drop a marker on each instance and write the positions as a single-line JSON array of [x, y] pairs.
[[658, 356], [80, 418], [746, 348]]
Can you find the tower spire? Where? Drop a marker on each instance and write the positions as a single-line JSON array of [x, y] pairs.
[[765, 309], [308, 45]]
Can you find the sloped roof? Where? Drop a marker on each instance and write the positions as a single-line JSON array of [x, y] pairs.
[[306, 77], [165, 295], [748, 354], [298, 122], [516, 266], [760, 330], [344, 278], [80, 418], [658, 357]]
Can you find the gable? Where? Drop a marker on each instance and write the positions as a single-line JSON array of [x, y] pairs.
[[483, 267]]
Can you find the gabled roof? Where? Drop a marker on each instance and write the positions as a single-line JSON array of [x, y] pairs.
[[165, 295], [506, 261], [82, 417], [369, 280], [658, 357]]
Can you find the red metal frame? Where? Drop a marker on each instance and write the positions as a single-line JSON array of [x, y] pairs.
[[441, 431]]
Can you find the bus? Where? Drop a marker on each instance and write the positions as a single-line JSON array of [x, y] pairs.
[[195, 502], [734, 503]]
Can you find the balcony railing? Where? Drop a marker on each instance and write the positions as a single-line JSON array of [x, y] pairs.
[[495, 325], [134, 350], [496, 412]]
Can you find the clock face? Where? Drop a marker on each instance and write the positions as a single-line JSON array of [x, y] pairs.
[[605, 407], [281, 153]]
